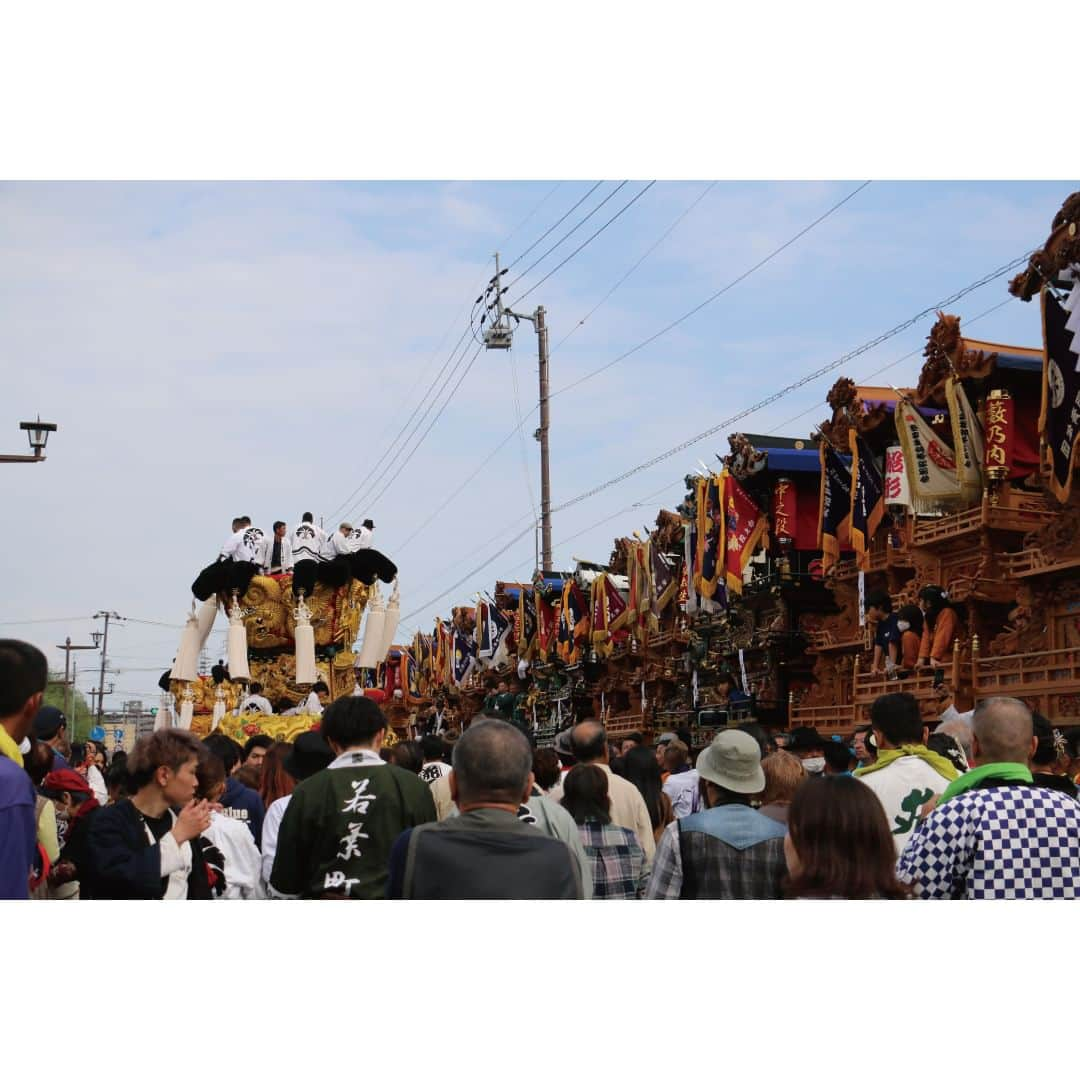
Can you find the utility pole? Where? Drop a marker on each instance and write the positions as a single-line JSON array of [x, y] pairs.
[[106, 615], [499, 335], [68, 681]]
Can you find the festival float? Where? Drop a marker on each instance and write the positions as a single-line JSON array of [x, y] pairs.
[[287, 643], [750, 600]]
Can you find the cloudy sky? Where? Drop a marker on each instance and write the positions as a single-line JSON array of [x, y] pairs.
[[215, 349]]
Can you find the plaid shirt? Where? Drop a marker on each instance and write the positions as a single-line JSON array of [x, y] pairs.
[[619, 871], [997, 843], [750, 867]]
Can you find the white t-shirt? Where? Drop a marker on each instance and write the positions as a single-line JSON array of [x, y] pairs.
[[271, 827], [903, 788], [243, 864], [432, 770]]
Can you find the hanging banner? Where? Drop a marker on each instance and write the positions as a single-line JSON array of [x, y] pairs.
[[867, 499], [742, 669], [1059, 422], [710, 540], [664, 582], [967, 441], [687, 592], [784, 508], [929, 463], [547, 621], [897, 491], [744, 526], [834, 508], [999, 429], [862, 598]]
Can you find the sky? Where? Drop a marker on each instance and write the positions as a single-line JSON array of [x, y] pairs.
[[214, 349]]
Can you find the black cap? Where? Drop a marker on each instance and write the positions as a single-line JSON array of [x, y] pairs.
[[368, 523], [48, 722], [310, 754]]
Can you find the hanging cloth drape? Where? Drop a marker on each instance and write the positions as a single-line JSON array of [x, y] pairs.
[[374, 625], [186, 665]]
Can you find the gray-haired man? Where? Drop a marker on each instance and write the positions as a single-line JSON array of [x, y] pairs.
[[486, 852]]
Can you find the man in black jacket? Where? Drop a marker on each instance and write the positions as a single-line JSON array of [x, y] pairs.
[[485, 852]]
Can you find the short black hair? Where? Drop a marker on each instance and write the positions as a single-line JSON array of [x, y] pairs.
[[118, 776], [898, 718], [229, 750], [837, 756], [306, 516], [589, 748], [635, 737], [352, 721], [879, 598], [24, 671], [279, 525], [320, 685], [253, 742], [433, 747], [255, 688], [1046, 751], [245, 520]]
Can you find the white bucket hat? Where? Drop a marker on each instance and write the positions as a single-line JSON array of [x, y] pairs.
[[733, 761]]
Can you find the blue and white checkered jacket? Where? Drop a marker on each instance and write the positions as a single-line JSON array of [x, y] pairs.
[[997, 843]]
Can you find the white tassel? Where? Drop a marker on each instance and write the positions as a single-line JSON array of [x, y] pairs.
[[304, 636], [187, 709], [219, 708], [392, 618], [164, 714], [186, 665], [374, 625], [238, 650]]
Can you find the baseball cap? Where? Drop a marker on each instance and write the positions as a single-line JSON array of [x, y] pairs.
[[48, 721]]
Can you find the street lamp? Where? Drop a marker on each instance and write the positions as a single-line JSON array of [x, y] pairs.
[[37, 431]]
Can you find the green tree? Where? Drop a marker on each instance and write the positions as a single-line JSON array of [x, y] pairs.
[[80, 719]]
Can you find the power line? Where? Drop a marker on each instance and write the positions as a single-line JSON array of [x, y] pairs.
[[529, 216], [370, 480], [603, 300], [399, 467], [364, 484], [585, 244], [716, 295], [544, 236], [566, 236]]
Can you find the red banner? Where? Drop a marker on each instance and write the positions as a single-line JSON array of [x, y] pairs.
[[745, 526], [784, 508], [999, 434], [545, 624]]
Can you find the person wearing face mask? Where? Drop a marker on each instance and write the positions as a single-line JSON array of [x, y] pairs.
[[909, 623], [809, 747]]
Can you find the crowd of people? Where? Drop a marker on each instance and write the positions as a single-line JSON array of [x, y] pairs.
[[986, 806]]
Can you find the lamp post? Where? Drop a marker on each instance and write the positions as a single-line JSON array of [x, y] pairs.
[[37, 431]]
